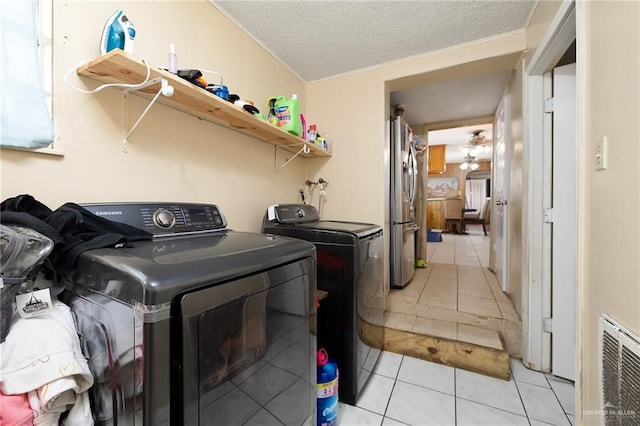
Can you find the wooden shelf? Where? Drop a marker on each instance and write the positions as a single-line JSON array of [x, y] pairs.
[[119, 67]]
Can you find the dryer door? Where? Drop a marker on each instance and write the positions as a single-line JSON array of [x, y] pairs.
[[247, 353]]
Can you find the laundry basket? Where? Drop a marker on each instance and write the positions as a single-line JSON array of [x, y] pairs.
[[22, 252]]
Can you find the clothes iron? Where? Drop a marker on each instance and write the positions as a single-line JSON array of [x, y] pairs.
[[118, 33]]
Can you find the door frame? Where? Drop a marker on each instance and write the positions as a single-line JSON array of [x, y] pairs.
[[537, 237], [565, 222]]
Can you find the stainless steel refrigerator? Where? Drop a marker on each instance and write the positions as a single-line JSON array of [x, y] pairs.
[[404, 180]]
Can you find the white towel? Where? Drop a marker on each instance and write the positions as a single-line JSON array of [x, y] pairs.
[[77, 404], [41, 357]]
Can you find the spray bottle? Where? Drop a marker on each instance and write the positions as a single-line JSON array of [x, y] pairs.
[[272, 118], [173, 59]]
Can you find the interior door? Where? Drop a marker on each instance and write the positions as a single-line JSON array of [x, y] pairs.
[[500, 181], [564, 223]]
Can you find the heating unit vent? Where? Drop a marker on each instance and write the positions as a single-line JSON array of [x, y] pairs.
[[619, 374]]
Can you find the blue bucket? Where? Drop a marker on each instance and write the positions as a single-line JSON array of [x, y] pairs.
[[434, 237]]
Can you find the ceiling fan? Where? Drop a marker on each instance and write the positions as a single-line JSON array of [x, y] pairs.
[[477, 144]]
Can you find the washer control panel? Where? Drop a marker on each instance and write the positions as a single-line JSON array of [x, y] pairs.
[[296, 213], [163, 218]]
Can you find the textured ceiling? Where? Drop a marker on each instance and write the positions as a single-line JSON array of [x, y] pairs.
[[323, 38], [318, 39]]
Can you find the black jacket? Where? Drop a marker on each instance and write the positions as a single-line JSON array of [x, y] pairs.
[[72, 228]]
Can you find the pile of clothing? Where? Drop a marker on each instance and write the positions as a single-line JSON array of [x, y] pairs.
[[44, 376]]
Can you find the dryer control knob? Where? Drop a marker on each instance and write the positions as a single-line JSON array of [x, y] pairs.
[[164, 218], [299, 212]]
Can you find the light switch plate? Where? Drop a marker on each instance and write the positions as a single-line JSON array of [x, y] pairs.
[[601, 153]]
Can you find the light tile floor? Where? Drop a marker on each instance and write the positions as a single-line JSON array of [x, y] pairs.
[[407, 391], [456, 296]]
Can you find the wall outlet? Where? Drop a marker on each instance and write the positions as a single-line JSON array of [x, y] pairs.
[[601, 153]]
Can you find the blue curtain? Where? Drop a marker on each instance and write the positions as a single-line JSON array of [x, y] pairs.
[[26, 121]]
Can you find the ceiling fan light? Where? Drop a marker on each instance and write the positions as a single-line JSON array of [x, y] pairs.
[[474, 166], [464, 166]]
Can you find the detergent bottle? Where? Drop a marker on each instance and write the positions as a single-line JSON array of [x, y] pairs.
[[327, 387], [288, 112]]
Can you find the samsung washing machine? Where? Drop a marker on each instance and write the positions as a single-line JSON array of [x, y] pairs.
[[199, 326], [350, 270]]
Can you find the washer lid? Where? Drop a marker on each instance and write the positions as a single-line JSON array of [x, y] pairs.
[[153, 272], [359, 229], [326, 231], [304, 218]]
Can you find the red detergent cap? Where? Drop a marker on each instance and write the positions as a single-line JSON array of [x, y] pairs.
[[322, 356]]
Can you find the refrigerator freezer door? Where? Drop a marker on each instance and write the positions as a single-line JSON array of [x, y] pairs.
[[408, 252], [403, 259], [403, 190]]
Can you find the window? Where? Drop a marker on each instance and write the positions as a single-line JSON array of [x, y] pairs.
[[45, 48], [26, 75]]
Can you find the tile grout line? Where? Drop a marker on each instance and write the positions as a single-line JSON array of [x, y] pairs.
[[482, 403], [426, 283], [558, 399], [524, 407], [395, 381], [455, 395]]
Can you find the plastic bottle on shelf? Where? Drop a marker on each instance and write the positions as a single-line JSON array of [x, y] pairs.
[[173, 59], [271, 116], [321, 141], [288, 112], [303, 134], [311, 133]]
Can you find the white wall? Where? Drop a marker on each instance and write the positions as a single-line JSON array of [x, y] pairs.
[[609, 200], [172, 156]]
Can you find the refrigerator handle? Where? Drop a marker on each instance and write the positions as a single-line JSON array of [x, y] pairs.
[[413, 174], [412, 228]]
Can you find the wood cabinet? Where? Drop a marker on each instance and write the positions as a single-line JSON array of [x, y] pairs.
[[435, 214], [120, 67], [437, 163]]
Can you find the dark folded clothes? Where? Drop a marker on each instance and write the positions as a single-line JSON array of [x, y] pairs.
[[72, 228]]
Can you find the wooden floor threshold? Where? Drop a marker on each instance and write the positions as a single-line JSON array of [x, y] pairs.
[[468, 356]]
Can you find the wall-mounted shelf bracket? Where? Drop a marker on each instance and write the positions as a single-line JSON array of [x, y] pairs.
[[165, 89], [305, 149]]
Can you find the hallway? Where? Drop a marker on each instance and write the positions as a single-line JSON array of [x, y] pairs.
[[457, 297]]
